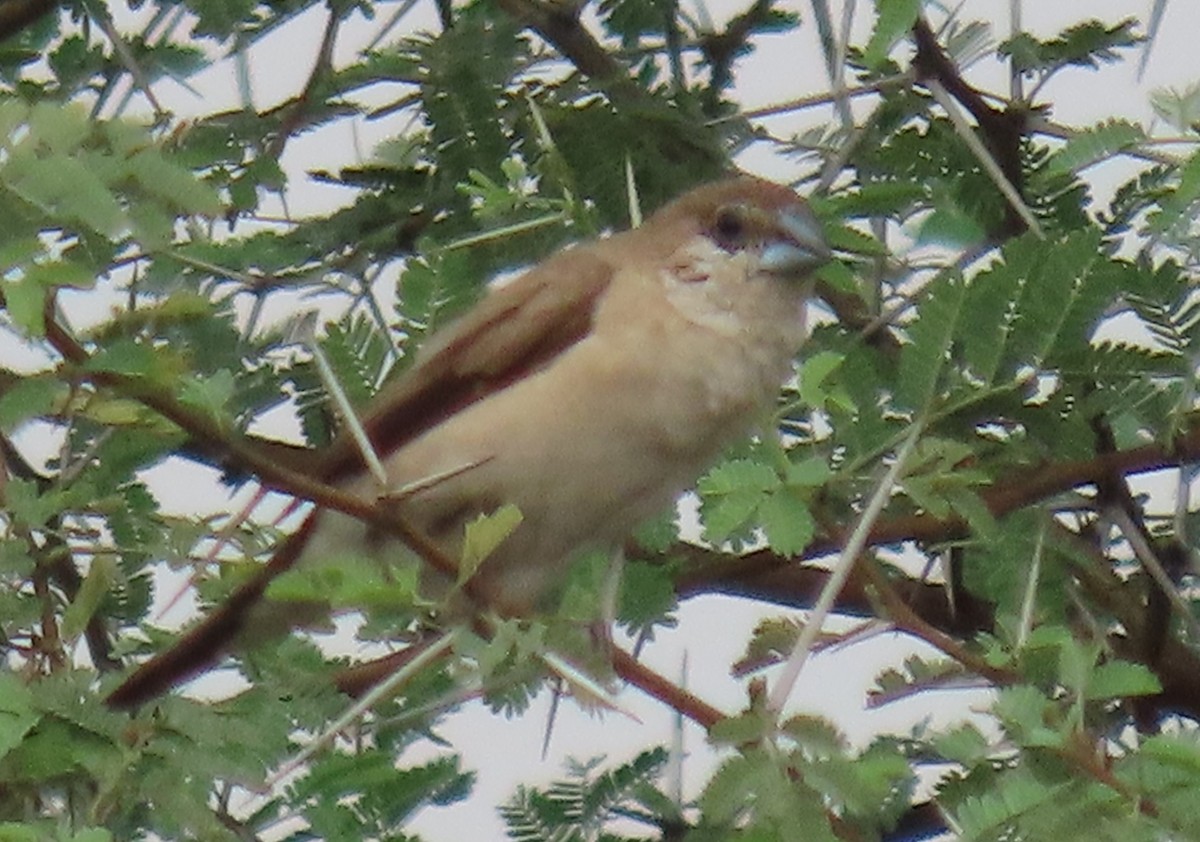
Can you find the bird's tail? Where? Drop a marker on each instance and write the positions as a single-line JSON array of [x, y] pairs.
[[204, 644]]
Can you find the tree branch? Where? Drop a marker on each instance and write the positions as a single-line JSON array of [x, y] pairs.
[[1024, 487], [1002, 130], [558, 24], [17, 15]]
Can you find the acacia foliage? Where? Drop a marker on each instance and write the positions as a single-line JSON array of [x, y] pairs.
[[975, 324]]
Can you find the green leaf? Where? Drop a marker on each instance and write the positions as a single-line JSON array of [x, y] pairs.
[[950, 225], [964, 744], [60, 130], [875, 198], [893, 20], [738, 475], [815, 735], [812, 472], [61, 273], [971, 507], [92, 834], [13, 832], [839, 275], [923, 360], [987, 319], [26, 296], [66, 188], [25, 301], [860, 784], [1121, 679], [815, 372], [176, 186], [989, 817], [212, 393], [1028, 717], [926, 494], [129, 358], [740, 730], [1175, 209], [845, 238], [28, 504], [1178, 750], [1071, 273], [788, 522], [483, 535], [658, 534], [647, 595], [28, 398], [730, 495], [17, 712], [95, 587], [1095, 145], [1086, 44], [754, 792], [1180, 109], [347, 579]]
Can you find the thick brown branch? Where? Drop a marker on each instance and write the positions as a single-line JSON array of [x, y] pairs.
[[931, 62], [295, 117], [1002, 130], [921, 608], [287, 475], [1024, 487], [558, 24], [670, 694], [16, 15]]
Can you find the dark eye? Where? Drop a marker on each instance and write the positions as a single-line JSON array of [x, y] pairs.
[[729, 228]]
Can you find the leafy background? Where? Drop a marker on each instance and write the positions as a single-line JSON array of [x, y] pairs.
[[1031, 355]]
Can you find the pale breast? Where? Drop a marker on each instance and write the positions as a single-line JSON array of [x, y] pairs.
[[613, 429]]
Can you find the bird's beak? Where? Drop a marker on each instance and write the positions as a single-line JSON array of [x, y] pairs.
[[800, 247]]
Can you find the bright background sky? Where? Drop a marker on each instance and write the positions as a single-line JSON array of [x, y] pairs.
[[712, 630]]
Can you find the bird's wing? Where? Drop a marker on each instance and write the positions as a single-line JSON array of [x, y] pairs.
[[514, 330]]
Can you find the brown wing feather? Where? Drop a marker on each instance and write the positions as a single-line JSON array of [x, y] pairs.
[[514, 330]]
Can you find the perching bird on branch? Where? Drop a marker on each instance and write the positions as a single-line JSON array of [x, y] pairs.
[[588, 393]]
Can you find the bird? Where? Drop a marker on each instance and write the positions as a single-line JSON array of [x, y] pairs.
[[589, 393]]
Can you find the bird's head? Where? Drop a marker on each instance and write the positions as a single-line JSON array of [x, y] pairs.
[[750, 215]]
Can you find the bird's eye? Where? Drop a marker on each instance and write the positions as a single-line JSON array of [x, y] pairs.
[[729, 228]]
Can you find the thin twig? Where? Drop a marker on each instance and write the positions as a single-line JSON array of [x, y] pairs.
[[1029, 601], [1149, 560], [667, 692], [1187, 473], [985, 158], [376, 694], [1016, 81], [801, 103], [304, 333], [390, 24], [321, 67], [126, 56], [909, 621], [841, 570]]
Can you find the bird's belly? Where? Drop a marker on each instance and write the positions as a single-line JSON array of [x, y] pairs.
[[586, 450]]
